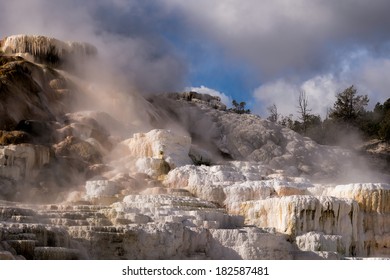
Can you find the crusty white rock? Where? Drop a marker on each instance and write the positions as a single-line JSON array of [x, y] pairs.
[[157, 143], [45, 49], [22, 161]]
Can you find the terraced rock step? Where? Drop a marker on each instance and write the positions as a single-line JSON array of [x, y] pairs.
[[140, 227], [55, 253]]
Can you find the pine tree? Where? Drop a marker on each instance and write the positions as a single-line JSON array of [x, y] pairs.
[[349, 106]]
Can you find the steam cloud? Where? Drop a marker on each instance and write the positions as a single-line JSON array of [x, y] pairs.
[[317, 46], [128, 45]]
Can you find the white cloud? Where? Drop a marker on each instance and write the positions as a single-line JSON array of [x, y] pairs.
[[280, 92], [317, 46], [370, 78], [320, 91], [227, 100], [373, 78], [280, 36]]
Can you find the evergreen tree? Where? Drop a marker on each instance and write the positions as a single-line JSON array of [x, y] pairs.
[[384, 124], [239, 108], [349, 106]]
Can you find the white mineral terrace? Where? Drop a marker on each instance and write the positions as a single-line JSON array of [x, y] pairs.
[[41, 46]]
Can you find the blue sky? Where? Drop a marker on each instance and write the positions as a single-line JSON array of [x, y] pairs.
[[261, 52], [208, 67]]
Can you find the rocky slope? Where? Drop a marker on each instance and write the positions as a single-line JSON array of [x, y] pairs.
[[184, 179]]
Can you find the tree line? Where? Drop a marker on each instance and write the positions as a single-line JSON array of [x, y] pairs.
[[348, 118]]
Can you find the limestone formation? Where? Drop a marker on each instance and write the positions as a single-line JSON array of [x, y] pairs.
[[161, 144], [248, 137], [23, 161], [373, 201], [140, 227], [344, 217], [45, 49], [27, 94]]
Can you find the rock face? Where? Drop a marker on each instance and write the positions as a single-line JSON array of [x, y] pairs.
[[22, 162], [373, 201], [160, 144], [20, 165], [45, 49], [27, 93], [250, 138], [219, 182], [297, 216], [141, 227], [196, 181], [351, 218], [44, 149]]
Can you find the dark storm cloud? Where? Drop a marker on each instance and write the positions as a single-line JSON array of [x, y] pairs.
[[283, 36]]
